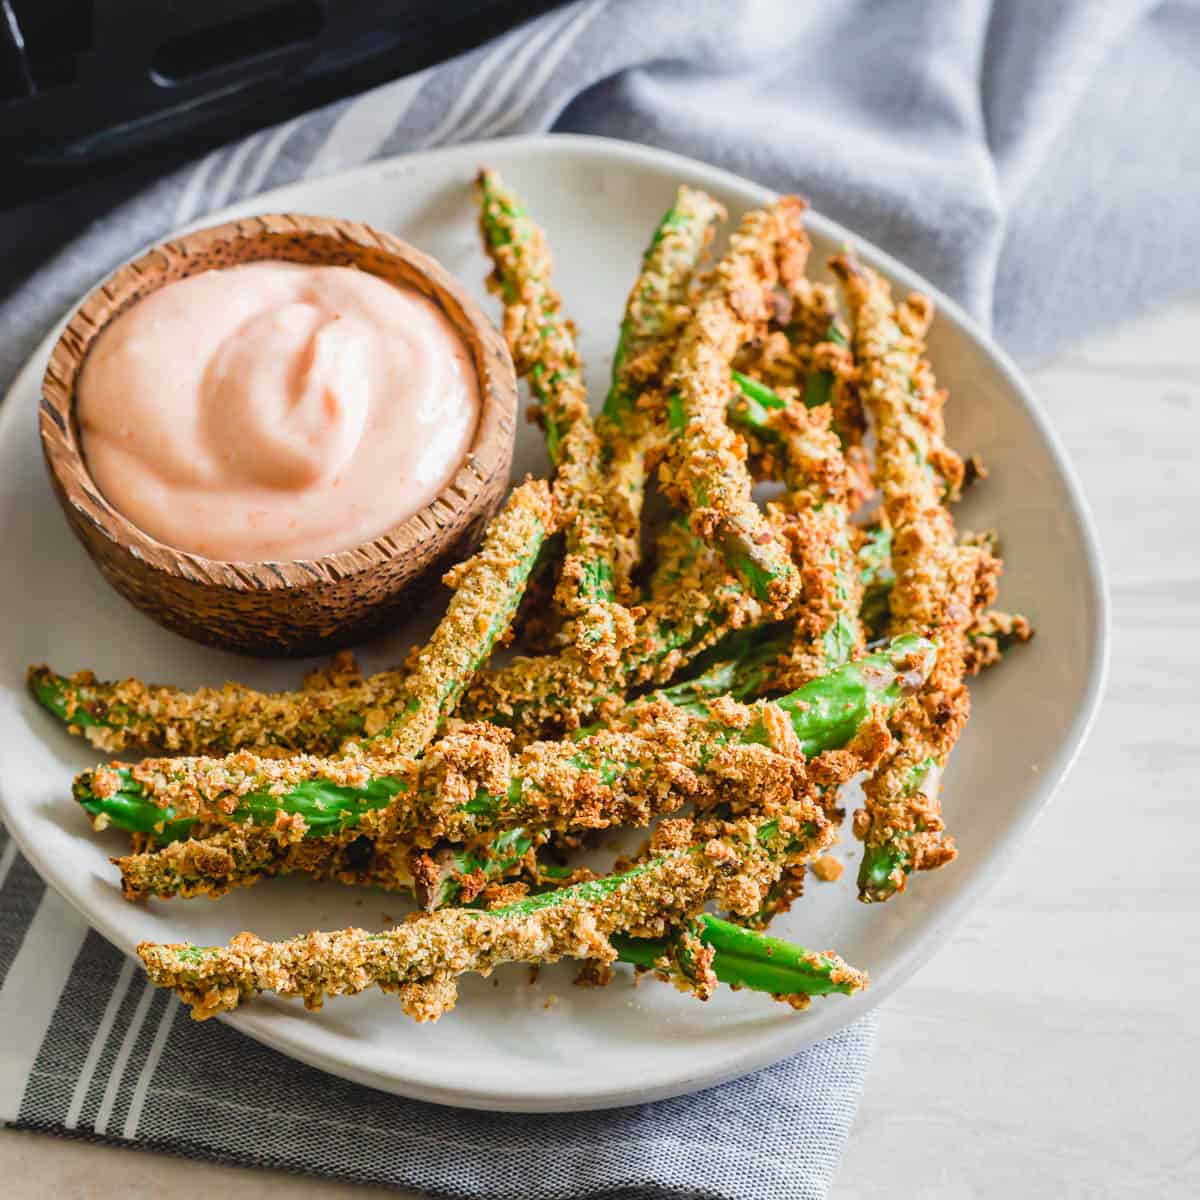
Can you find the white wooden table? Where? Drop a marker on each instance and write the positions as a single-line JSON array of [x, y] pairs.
[[1052, 1048]]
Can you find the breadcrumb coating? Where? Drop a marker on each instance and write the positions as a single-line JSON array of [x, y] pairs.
[[542, 342], [706, 472], [808, 357], [470, 781], [695, 600], [419, 959], [129, 714], [336, 704], [487, 588], [937, 580], [632, 427], [827, 868], [241, 855], [541, 695], [814, 520], [991, 634]]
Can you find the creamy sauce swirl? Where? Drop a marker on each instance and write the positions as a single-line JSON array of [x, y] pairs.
[[275, 411]]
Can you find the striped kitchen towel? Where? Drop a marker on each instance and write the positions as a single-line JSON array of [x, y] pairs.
[[90, 1049], [1015, 152]]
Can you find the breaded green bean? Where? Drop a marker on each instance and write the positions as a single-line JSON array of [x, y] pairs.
[[468, 783], [814, 519], [403, 706], [487, 589], [542, 342], [701, 601], [420, 960], [632, 424], [657, 757], [937, 581], [807, 358], [706, 472], [991, 635], [242, 855], [120, 715]]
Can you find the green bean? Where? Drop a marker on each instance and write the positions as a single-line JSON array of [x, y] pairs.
[[936, 581], [402, 707], [420, 959], [706, 472], [654, 314], [738, 957], [694, 600], [619, 776], [116, 716], [877, 577], [487, 590], [543, 347]]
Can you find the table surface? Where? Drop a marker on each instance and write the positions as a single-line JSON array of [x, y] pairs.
[[1019, 1061]]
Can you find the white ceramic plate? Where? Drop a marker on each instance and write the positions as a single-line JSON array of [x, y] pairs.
[[546, 1046]]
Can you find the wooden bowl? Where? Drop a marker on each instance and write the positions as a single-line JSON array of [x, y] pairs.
[[296, 607]]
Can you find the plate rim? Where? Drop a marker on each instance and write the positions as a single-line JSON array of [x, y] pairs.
[[262, 1024]]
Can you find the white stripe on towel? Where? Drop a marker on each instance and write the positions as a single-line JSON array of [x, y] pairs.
[[510, 121], [364, 126], [513, 75], [117, 1076], [7, 858], [466, 97], [190, 195], [31, 992], [138, 1102], [99, 1040], [272, 144]]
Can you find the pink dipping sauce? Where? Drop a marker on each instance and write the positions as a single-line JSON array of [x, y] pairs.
[[276, 411]]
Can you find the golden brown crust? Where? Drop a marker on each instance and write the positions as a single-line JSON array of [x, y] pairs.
[[814, 520], [694, 600], [991, 635], [129, 713], [809, 359], [707, 472], [468, 785], [937, 580], [827, 868], [544, 349], [239, 856], [541, 695], [486, 590], [420, 958], [633, 426]]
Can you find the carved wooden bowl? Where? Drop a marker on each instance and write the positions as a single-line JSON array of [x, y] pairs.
[[295, 607]]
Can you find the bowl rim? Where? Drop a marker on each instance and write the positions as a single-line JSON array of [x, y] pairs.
[[489, 450]]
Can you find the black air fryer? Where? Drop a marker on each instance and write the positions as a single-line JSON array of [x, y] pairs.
[[88, 86]]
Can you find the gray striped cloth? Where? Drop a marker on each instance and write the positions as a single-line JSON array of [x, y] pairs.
[[1021, 154]]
